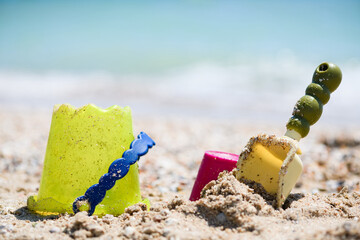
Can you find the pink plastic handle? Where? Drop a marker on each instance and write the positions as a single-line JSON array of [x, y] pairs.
[[213, 163]]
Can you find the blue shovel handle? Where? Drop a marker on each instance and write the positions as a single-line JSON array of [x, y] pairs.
[[117, 170]]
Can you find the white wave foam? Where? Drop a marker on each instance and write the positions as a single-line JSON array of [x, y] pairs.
[[265, 89]]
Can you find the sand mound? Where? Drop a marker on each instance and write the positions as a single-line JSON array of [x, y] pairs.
[[229, 203]]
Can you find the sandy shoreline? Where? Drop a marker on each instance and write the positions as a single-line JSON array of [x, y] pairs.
[[322, 208]]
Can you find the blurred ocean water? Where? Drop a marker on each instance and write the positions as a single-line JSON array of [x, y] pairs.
[[220, 59]]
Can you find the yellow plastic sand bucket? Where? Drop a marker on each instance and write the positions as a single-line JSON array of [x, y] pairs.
[[81, 146]]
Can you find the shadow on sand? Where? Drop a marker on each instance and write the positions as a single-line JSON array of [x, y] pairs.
[[24, 213]]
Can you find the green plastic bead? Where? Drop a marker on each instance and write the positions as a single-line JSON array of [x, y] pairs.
[[329, 75], [319, 92], [298, 124], [308, 108]]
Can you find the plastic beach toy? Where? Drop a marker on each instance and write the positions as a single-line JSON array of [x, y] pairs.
[[82, 145], [273, 161], [117, 170], [213, 163]]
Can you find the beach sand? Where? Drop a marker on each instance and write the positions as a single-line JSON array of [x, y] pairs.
[[325, 204]]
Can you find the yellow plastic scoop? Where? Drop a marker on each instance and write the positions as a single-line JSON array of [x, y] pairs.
[[273, 161]]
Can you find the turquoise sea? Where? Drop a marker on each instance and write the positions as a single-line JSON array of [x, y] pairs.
[[227, 59]]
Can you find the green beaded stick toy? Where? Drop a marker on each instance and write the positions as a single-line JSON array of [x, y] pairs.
[[273, 161]]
